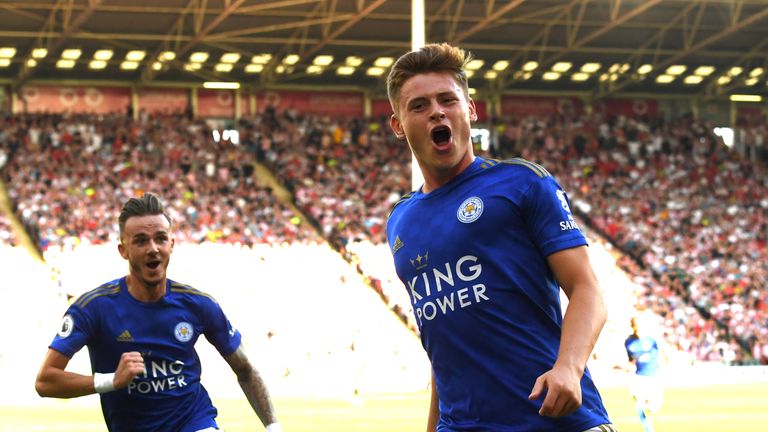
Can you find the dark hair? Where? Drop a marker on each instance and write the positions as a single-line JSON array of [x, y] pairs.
[[149, 204], [440, 57]]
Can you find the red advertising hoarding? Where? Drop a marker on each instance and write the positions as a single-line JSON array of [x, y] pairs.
[[70, 99], [336, 104], [540, 106], [216, 103], [163, 100], [627, 107]]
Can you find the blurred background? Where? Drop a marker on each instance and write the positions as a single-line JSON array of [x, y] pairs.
[[265, 127]]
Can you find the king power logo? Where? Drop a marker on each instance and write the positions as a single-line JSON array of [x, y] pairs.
[[159, 376], [447, 288]]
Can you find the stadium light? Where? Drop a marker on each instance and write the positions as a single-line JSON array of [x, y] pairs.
[[693, 79], [375, 71], [590, 67], [580, 76], [103, 54], [500, 65], [218, 85], [39, 53], [530, 66], [475, 64], [198, 57], [65, 64], [735, 71], [383, 62], [129, 65], [676, 69], [353, 61], [71, 54], [5, 62], [97, 64], [323, 60], [491, 74], [166, 56], [746, 98], [665, 79], [561, 66], [291, 59], [314, 69], [254, 68], [261, 59], [223, 67], [704, 71], [135, 55], [7, 52], [230, 57], [550, 76], [645, 69]]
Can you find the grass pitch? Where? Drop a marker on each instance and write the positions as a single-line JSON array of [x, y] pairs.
[[692, 409]]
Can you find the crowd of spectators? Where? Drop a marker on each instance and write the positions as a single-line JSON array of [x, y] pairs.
[[67, 176], [690, 214], [687, 212]]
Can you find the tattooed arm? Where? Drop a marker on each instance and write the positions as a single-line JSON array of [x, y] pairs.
[[253, 386]]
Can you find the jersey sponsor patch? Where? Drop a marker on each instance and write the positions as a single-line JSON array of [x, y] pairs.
[[183, 332], [67, 325], [470, 210]]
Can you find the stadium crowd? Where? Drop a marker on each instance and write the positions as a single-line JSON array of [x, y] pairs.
[[688, 214]]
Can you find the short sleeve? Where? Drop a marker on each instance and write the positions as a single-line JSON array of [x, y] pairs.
[[75, 332], [548, 213], [219, 331]]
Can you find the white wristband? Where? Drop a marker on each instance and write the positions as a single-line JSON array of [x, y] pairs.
[[274, 427], [103, 382]]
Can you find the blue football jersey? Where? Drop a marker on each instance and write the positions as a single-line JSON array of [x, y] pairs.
[[169, 396], [644, 351], [472, 256]]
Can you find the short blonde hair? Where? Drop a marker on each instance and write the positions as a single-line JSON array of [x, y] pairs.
[[440, 57]]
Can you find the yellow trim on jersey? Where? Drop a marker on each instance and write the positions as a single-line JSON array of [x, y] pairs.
[[103, 290], [402, 198], [181, 288], [538, 169], [489, 163]]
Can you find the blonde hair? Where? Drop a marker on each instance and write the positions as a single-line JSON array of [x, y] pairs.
[[440, 57]]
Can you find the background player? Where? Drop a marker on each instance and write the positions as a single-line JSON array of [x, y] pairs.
[[646, 386], [140, 331]]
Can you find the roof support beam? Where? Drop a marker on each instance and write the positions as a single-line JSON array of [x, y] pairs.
[[488, 19], [69, 27]]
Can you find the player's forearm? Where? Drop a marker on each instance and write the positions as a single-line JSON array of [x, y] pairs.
[[57, 383], [256, 392], [583, 321]]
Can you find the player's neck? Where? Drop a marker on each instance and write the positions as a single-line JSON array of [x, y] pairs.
[[141, 291]]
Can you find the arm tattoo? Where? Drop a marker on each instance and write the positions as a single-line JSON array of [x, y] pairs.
[[253, 386]]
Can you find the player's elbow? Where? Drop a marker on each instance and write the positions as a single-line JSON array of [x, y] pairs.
[[43, 386]]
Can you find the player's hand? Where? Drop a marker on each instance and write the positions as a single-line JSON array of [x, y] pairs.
[[563, 391], [131, 364]]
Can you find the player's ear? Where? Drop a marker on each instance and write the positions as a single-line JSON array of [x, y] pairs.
[[397, 127], [472, 110], [121, 249]]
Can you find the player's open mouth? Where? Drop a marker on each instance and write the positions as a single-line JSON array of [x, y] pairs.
[[441, 136], [153, 264]]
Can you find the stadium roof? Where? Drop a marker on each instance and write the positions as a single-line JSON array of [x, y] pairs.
[[716, 46]]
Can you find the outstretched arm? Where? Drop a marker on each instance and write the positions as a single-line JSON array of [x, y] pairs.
[[54, 381], [583, 321], [253, 386]]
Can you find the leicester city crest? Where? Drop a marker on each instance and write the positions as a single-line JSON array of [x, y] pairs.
[[470, 210], [183, 331]]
